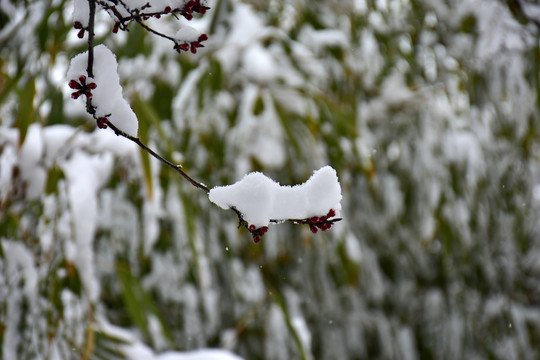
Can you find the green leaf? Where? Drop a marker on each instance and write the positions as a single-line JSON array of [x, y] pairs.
[[9, 225], [108, 347], [56, 115], [138, 303], [26, 113], [148, 118], [53, 176], [258, 106]]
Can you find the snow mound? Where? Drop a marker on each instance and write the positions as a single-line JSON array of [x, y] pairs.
[[107, 96], [261, 199]]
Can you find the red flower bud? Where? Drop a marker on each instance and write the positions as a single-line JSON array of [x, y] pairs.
[[102, 123], [256, 239], [74, 84], [314, 219], [158, 16], [91, 86], [76, 94], [115, 28], [252, 227], [77, 25], [331, 213], [313, 228], [80, 35], [167, 10], [203, 37], [182, 47], [82, 79]]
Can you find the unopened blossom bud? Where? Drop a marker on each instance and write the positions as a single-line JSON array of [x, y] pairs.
[[74, 84], [102, 123]]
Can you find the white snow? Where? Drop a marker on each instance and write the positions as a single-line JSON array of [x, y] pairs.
[[85, 174], [8, 161], [260, 134], [259, 64], [19, 268], [81, 12], [320, 39], [187, 34], [30, 162], [136, 350], [139, 351], [261, 199], [107, 97]]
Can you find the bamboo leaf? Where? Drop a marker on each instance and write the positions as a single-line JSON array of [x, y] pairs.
[[26, 112], [137, 301]]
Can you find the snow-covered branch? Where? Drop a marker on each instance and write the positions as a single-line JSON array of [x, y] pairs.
[[257, 200]]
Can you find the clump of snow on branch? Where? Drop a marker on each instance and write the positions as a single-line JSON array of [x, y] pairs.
[[187, 34], [107, 95], [261, 199]]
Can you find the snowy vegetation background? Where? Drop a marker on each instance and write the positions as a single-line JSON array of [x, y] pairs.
[[428, 110]]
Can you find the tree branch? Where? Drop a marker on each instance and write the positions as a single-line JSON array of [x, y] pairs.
[[177, 168], [315, 223]]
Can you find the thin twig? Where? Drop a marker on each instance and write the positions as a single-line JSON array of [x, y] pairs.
[[177, 168], [90, 68], [148, 28]]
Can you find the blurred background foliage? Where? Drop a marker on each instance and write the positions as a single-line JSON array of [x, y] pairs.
[[428, 110]]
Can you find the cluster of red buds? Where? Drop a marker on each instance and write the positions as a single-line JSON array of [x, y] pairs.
[[193, 45], [102, 122], [77, 25], [324, 222], [191, 7], [257, 233], [82, 87]]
